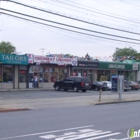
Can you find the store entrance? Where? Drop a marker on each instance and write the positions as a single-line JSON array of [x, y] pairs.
[[40, 78]]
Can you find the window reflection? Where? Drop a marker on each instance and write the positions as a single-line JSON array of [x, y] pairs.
[[7, 73]]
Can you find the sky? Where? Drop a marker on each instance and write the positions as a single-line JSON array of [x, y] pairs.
[[100, 23]]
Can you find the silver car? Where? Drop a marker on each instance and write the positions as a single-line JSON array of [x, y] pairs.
[[109, 84]]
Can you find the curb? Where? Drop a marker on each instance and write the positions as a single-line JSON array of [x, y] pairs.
[[12, 110], [12, 90], [116, 102]]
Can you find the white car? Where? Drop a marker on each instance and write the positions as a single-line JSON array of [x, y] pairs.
[[109, 84]]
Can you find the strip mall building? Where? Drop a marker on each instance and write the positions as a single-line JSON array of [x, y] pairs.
[[17, 71]]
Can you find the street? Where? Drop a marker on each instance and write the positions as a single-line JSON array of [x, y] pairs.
[[72, 122], [105, 122], [47, 99]]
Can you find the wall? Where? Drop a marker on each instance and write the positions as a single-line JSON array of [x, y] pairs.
[[7, 85], [48, 85], [22, 85]]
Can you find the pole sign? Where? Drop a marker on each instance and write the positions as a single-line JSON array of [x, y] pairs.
[[114, 81]]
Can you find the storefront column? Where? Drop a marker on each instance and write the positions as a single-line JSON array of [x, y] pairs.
[[16, 76], [95, 75]]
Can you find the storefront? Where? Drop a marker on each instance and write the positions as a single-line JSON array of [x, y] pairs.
[[13, 71], [102, 71], [49, 69], [107, 69], [86, 69]]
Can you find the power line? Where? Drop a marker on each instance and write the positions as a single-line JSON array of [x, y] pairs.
[[75, 18], [115, 7], [79, 35], [102, 13], [85, 13], [69, 29], [138, 6], [70, 25]]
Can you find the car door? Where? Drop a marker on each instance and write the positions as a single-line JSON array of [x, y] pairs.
[[64, 84], [67, 83], [70, 83]]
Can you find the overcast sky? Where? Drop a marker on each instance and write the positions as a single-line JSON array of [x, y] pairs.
[[30, 37]]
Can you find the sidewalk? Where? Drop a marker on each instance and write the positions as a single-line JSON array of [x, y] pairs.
[[28, 89], [44, 102]]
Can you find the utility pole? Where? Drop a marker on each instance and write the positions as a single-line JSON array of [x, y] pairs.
[[42, 50]]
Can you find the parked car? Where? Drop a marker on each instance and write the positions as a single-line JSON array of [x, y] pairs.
[[99, 85], [109, 84], [133, 85], [126, 85], [74, 83]]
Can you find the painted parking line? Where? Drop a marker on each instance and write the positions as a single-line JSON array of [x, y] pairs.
[[71, 134], [43, 133], [84, 134], [120, 139]]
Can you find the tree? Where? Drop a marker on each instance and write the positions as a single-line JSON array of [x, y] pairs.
[[124, 52], [7, 48]]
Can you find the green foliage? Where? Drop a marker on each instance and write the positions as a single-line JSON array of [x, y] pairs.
[[124, 52], [7, 48]]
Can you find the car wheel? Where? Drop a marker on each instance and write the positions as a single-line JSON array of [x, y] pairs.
[[84, 90], [57, 88], [75, 89]]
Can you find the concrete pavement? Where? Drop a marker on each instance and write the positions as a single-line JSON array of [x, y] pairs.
[[10, 103]]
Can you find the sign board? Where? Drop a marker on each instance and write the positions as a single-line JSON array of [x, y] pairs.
[[30, 58], [135, 66], [54, 60], [14, 59], [116, 66], [88, 64]]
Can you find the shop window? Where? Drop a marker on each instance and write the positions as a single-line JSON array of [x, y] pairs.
[[22, 76], [7, 73], [103, 75], [79, 72], [84, 73], [73, 73], [51, 74], [63, 72]]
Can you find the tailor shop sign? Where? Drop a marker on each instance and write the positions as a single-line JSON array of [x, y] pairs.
[[14, 59]]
